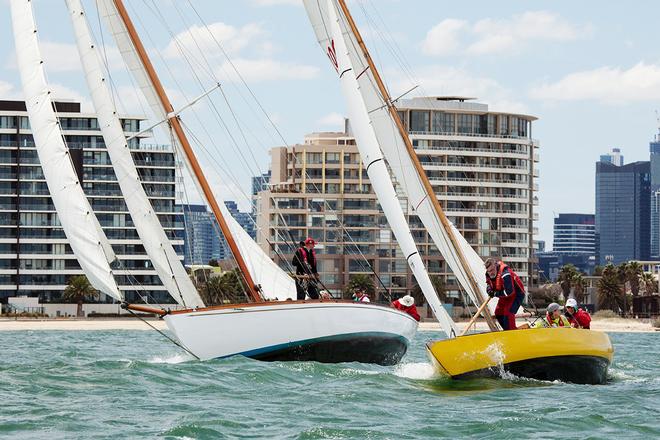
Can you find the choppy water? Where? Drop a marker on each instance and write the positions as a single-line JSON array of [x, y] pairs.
[[133, 384]]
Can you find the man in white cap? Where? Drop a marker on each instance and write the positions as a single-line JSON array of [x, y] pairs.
[[577, 317], [553, 318], [407, 304]]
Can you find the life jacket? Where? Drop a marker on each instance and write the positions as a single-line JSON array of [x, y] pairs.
[[550, 322], [497, 284]]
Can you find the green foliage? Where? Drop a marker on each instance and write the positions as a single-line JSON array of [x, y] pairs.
[[228, 288], [362, 281], [438, 285], [632, 272], [649, 283], [545, 294], [79, 289], [571, 280], [598, 271], [610, 295]]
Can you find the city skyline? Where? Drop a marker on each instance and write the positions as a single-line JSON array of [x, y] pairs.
[[592, 79]]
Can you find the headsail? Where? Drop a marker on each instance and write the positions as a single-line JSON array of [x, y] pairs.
[[333, 41], [80, 225], [274, 282], [471, 275], [158, 247]]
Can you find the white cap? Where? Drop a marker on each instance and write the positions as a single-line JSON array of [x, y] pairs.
[[407, 300], [571, 303]]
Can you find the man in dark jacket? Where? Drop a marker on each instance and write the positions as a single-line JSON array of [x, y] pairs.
[[304, 261]]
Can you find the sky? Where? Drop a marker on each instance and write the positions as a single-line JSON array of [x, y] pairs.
[[589, 70]]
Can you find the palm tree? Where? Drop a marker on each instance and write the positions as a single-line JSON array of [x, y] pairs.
[[568, 277], [360, 281], [579, 287], [609, 289], [633, 271], [228, 288], [650, 283], [77, 290], [438, 285]]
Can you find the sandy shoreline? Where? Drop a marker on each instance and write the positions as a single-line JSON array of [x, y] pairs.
[[10, 324]]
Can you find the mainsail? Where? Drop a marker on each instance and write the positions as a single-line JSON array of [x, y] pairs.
[[80, 225], [468, 273], [373, 160], [156, 243], [274, 282]]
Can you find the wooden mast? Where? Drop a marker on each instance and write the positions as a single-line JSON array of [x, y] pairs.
[[413, 156], [187, 149]]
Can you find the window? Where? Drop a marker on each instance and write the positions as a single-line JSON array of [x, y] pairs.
[[419, 120]]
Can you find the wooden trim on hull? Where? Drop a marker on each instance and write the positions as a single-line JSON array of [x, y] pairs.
[[368, 348], [277, 303]]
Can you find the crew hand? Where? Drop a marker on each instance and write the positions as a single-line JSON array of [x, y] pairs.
[[490, 292]]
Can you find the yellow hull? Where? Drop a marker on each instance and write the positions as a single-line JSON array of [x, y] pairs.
[[566, 354]]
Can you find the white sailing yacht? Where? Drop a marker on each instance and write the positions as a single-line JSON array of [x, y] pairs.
[[566, 354], [326, 331]]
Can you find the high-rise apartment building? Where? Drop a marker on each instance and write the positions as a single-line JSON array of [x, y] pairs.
[[481, 166], [623, 211], [35, 259], [574, 234]]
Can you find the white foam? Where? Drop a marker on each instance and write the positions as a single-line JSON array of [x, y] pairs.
[[174, 359], [416, 370]]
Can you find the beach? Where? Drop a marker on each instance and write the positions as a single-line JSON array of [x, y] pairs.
[[87, 324]]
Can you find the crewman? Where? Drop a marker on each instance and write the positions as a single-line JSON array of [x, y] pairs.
[[507, 286], [577, 317], [304, 261], [553, 318], [360, 295], [407, 304]]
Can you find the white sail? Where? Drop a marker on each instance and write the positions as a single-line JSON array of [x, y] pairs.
[[394, 149], [156, 244], [275, 283], [80, 225], [372, 158]]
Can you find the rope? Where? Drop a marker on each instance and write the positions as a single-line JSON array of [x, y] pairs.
[[181, 346]]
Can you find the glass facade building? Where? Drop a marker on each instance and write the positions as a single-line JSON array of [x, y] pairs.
[[35, 259], [574, 234], [623, 211]]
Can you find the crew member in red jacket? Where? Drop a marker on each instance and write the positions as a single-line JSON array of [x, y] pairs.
[[407, 304], [505, 284], [577, 317]]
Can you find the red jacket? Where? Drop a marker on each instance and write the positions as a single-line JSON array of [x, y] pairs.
[[412, 310], [506, 286], [581, 318]]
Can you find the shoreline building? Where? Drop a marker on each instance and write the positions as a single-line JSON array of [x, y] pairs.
[[35, 259], [654, 149], [623, 212], [481, 166], [574, 234]]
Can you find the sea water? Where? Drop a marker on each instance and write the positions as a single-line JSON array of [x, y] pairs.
[[136, 384]]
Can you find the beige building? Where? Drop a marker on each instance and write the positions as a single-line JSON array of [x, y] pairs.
[[481, 165]]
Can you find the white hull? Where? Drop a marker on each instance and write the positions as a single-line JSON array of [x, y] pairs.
[[320, 331]]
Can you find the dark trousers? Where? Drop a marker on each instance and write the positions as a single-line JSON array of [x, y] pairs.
[[508, 320], [300, 290]]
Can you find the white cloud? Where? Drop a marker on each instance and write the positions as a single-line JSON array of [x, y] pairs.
[[259, 70], [449, 81], [200, 41], [333, 119], [63, 57], [612, 85], [498, 36], [8, 91], [444, 37]]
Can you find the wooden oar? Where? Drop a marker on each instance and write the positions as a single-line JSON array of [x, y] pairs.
[[476, 315]]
